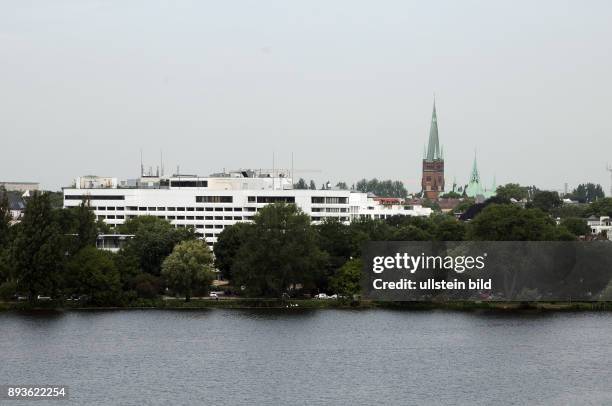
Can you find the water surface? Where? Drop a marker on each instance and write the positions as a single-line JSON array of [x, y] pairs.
[[299, 357]]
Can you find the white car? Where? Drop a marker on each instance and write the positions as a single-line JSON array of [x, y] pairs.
[[213, 294], [321, 296]]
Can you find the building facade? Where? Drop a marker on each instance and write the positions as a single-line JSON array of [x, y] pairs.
[[209, 204], [432, 181]]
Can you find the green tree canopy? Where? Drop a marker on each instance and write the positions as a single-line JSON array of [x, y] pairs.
[[385, 188], [154, 239], [228, 243], [92, 272], [587, 193], [188, 268], [451, 195], [512, 191], [5, 218], [546, 200], [301, 184], [601, 207], [38, 249], [505, 222], [576, 226], [79, 222], [342, 185], [280, 252], [347, 280]]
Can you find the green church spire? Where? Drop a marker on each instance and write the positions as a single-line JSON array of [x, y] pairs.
[[433, 148], [475, 176]]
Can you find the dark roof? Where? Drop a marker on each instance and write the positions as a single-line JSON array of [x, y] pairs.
[[15, 200]]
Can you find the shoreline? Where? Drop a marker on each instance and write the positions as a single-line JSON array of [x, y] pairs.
[[313, 304]]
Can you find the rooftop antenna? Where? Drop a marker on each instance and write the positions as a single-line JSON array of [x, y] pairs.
[[609, 169], [273, 173], [161, 161]]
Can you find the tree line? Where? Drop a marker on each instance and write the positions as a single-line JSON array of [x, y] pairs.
[[52, 251]]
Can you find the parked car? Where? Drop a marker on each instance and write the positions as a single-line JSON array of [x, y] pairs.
[[213, 294], [321, 296]]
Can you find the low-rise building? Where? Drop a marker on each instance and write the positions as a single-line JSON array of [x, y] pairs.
[[600, 226], [20, 186], [16, 204], [209, 204]]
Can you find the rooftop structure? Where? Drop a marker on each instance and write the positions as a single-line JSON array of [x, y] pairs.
[[20, 186]]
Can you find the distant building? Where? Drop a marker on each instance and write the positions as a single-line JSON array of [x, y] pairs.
[[20, 186], [600, 226], [16, 204], [432, 181]]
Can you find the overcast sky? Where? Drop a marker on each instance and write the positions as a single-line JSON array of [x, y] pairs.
[[345, 85]]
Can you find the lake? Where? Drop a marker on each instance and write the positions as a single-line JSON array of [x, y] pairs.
[[299, 357]]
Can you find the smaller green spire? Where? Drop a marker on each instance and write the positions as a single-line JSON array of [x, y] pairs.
[[475, 176]]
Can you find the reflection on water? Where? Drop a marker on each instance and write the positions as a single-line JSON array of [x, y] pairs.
[[297, 356]]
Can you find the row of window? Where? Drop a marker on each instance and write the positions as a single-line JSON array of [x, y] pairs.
[[94, 197], [328, 200], [141, 208], [317, 218], [214, 199], [271, 199], [329, 209], [201, 218]]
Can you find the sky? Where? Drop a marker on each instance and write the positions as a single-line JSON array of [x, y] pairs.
[[345, 85]]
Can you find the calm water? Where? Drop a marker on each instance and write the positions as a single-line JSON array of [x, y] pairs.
[[227, 357]]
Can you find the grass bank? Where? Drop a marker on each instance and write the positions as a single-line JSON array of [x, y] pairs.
[[265, 303]]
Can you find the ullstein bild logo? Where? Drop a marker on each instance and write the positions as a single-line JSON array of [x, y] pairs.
[[487, 270]]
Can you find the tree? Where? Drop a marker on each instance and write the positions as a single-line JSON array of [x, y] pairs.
[[576, 226], [503, 222], [86, 227], [411, 233], [367, 229], [146, 285], [92, 272], [347, 281], [587, 193], [448, 228], [301, 184], [386, 188], [227, 246], [342, 185], [188, 268], [512, 191], [5, 224], [333, 238], [450, 195], [5, 218], [602, 207], [38, 249], [312, 185], [154, 239], [280, 253], [546, 200]]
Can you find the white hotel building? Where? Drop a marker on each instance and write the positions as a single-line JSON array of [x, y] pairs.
[[209, 204]]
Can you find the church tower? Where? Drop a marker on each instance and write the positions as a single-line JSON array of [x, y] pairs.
[[432, 183]]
